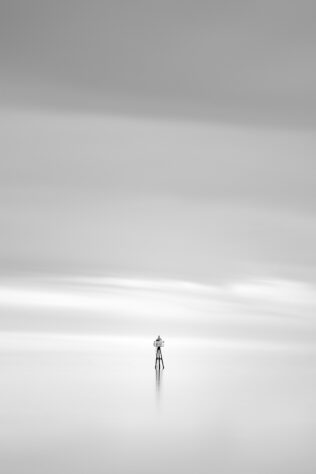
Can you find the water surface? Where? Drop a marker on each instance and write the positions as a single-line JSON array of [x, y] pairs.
[[95, 404]]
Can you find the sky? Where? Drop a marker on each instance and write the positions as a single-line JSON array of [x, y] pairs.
[[223, 61], [165, 147]]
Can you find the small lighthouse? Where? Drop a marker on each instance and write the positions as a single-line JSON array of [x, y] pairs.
[[159, 343]]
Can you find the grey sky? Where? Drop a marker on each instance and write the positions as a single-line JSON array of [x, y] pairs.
[[176, 199], [230, 61]]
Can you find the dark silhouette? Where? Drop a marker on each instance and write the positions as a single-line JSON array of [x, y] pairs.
[[159, 377], [159, 343], [158, 381]]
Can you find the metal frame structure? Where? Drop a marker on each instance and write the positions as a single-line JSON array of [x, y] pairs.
[[159, 343]]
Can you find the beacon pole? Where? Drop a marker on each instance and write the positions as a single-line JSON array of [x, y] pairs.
[[159, 343]]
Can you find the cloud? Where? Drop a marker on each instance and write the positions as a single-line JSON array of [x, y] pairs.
[[105, 293], [250, 315], [276, 291]]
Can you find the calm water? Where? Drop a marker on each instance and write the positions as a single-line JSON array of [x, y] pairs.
[[95, 405]]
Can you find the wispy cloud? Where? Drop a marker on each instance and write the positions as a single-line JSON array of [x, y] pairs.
[[252, 310], [101, 293]]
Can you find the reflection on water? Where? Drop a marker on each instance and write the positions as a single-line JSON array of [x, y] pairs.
[[223, 411], [158, 383]]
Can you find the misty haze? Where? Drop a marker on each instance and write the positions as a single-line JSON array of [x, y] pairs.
[[157, 177]]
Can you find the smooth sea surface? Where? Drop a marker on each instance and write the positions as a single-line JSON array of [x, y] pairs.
[[94, 404]]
